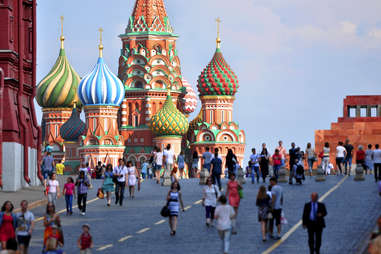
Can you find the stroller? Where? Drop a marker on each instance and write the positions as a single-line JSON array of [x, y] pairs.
[[299, 174]]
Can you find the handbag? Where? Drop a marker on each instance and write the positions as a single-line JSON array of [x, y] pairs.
[[240, 193], [100, 194], [270, 215], [165, 211]]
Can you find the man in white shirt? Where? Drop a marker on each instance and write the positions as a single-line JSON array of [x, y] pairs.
[[340, 155], [25, 226], [207, 157], [120, 173], [169, 158]]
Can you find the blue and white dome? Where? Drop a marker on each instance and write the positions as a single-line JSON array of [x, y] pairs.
[[101, 87]]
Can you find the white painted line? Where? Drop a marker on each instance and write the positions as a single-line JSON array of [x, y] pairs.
[[160, 222], [104, 247], [143, 230], [299, 223], [187, 207], [197, 202], [125, 238]]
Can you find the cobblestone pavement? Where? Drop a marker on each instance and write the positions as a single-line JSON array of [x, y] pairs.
[[137, 227]]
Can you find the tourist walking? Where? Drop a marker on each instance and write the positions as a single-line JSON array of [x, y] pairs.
[[210, 195], [311, 157], [60, 168], [53, 189], [82, 184], [232, 192], [216, 169], [254, 165], [8, 223], [181, 164], [264, 162], [169, 158], [47, 166], [340, 155], [145, 170], [108, 184], [195, 159], [85, 240], [282, 152], [99, 170], [207, 157], [132, 178], [52, 223], [293, 154], [69, 192], [158, 159], [231, 162], [25, 226], [276, 207], [277, 163], [174, 200], [325, 158], [313, 219], [376, 157], [224, 216], [368, 158], [348, 157], [360, 157], [120, 173], [263, 204]]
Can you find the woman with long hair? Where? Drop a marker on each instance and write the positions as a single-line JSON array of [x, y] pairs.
[[232, 192], [69, 193], [52, 223], [210, 195], [264, 162], [231, 161], [174, 200], [108, 185], [8, 223], [133, 177], [325, 159], [263, 204], [158, 159]]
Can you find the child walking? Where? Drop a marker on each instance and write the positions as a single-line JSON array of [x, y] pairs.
[[69, 192], [85, 241]]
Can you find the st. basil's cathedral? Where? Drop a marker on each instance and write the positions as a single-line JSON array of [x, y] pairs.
[[148, 104]]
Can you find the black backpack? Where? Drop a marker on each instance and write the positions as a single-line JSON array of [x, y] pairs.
[[299, 169]]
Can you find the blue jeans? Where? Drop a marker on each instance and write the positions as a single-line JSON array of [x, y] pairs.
[[276, 170], [348, 161], [69, 203], [254, 169], [207, 166]]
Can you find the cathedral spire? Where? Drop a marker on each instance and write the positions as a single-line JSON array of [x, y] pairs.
[[62, 37], [149, 16], [218, 40]]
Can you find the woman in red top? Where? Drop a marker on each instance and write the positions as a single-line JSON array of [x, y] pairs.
[[7, 224], [234, 199], [360, 158], [277, 162]]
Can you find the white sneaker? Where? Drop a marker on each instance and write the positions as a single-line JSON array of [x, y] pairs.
[[83, 214]]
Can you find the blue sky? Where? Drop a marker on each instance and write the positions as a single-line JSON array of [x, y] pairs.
[[296, 60]]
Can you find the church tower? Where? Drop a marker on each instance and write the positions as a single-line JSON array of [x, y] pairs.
[[148, 66], [214, 126]]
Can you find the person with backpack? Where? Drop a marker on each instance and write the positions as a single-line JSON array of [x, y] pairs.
[[210, 195], [82, 184], [298, 171], [216, 168], [47, 166]]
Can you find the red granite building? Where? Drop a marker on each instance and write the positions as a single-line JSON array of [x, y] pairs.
[[20, 136], [361, 124]]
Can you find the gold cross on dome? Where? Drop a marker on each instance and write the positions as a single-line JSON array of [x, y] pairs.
[[100, 42], [218, 40], [62, 20], [62, 37]]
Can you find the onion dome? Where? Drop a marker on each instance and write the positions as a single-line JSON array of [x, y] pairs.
[[190, 98], [217, 78], [59, 88], [73, 128], [169, 121], [101, 86]]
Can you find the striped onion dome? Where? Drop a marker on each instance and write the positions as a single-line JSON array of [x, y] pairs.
[[217, 78], [101, 86], [169, 121], [59, 88], [73, 128], [190, 98]]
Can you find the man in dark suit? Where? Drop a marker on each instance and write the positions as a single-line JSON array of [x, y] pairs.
[[313, 219]]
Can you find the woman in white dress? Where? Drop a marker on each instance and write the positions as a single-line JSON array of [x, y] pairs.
[[133, 175]]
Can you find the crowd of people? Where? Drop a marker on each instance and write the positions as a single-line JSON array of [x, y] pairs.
[[221, 206]]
